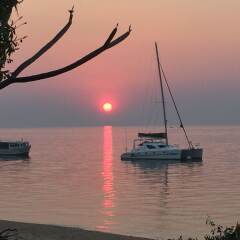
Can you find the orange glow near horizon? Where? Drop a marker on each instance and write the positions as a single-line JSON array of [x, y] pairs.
[[188, 33]]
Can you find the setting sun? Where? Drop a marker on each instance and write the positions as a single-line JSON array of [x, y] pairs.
[[107, 107]]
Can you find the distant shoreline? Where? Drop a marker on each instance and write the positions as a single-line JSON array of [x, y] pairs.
[[32, 231]]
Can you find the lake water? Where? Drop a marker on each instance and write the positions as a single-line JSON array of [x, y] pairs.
[[75, 177]]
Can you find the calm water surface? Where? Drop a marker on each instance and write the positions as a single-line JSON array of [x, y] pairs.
[[75, 178]]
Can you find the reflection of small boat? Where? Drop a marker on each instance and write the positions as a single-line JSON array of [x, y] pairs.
[[155, 145], [14, 148]]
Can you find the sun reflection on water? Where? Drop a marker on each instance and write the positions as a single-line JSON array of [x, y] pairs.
[[108, 180]]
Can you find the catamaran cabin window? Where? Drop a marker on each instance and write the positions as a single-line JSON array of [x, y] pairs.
[[150, 147], [3, 145], [161, 146]]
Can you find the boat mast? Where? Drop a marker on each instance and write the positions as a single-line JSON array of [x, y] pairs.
[[162, 93]]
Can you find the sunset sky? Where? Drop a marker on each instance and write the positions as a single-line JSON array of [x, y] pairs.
[[199, 44]]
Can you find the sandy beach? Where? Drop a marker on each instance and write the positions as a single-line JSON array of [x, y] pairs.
[[30, 231]]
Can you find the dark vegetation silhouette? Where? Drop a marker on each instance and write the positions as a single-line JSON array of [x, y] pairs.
[[9, 234], [218, 232], [9, 43]]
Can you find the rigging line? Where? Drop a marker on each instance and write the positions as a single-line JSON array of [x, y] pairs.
[[154, 116], [158, 115], [175, 106], [162, 93], [152, 105], [155, 110], [144, 106], [152, 109], [149, 113], [147, 116]]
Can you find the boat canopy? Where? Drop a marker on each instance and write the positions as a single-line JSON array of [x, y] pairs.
[[152, 135]]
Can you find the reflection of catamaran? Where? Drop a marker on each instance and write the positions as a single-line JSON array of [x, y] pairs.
[[155, 145]]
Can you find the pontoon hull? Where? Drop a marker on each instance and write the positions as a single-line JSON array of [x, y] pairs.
[[184, 154], [189, 154], [166, 155]]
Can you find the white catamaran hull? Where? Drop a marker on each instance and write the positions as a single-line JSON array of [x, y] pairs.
[[159, 155], [184, 154]]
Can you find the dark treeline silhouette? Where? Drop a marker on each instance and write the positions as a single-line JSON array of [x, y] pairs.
[[9, 43]]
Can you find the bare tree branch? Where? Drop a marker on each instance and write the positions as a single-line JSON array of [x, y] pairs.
[[111, 36], [44, 49], [107, 45]]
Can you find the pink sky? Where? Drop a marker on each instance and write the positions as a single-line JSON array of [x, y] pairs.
[[199, 48]]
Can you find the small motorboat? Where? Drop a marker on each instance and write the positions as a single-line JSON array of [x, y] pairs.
[[14, 148]]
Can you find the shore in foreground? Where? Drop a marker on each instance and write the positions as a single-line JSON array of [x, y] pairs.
[[31, 231]]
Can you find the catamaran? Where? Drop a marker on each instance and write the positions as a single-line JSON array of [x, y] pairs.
[[155, 146]]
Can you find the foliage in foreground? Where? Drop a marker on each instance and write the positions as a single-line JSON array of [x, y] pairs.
[[9, 234], [218, 232], [9, 42]]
